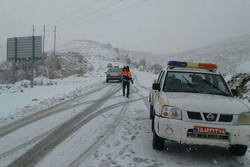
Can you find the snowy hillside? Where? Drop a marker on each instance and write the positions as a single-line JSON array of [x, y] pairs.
[[89, 48], [231, 56], [105, 51]]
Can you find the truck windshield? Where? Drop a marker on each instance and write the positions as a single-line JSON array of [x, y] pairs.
[[196, 83]]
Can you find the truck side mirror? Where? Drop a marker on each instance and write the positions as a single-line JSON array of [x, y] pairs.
[[156, 86], [235, 92]]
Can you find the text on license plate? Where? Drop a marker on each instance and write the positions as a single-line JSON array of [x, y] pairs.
[[209, 130]]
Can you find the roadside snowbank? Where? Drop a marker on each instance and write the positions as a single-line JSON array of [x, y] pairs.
[[20, 99]]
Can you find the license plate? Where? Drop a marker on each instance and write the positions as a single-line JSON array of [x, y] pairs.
[[209, 130]]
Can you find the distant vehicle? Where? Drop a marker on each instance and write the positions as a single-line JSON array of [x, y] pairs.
[[191, 104], [109, 65], [114, 73]]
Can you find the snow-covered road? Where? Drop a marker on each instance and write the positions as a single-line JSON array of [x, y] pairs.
[[100, 127]]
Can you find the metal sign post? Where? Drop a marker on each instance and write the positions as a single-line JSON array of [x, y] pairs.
[[14, 62], [32, 63], [24, 48]]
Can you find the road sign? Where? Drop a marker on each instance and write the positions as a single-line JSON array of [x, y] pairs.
[[24, 47]]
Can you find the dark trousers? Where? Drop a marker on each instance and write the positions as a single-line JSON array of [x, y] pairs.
[[124, 84]]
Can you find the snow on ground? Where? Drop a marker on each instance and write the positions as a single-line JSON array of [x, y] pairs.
[[20, 100], [85, 138], [122, 137], [130, 144], [119, 137], [144, 78], [37, 131]]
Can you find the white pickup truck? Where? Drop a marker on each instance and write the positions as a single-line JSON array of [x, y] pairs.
[[191, 104]]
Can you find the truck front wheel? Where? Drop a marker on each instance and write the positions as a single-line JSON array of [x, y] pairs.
[[158, 142], [238, 150]]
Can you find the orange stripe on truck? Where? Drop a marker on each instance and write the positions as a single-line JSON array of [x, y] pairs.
[[160, 99]]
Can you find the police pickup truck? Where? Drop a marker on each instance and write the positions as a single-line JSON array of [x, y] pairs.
[[190, 103]]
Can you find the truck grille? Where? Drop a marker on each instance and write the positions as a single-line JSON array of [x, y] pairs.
[[209, 117], [226, 118], [194, 115], [192, 134]]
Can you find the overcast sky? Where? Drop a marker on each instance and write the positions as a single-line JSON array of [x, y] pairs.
[[159, 26]]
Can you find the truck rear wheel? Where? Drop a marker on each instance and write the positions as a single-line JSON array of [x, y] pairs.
[[238, 150], [151, 111], [152, 125]]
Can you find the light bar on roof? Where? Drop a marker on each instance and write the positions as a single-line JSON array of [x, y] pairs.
[[207, 66]]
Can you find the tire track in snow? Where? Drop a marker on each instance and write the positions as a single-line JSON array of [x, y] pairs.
[[36, 153], [92, 101], [6, 129], [107, 133], [29, 142], [19, 147], [136, 78], [98, 142], [145, 100]]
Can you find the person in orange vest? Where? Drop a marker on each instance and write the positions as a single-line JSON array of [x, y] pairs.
[[126, 78]]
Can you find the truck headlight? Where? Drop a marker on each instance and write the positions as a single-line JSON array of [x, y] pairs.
[[171, 112], [244, 118]]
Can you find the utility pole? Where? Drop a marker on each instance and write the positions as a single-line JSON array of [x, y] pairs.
[[55, 41], [32, 59], [43, 37], [33, 31]]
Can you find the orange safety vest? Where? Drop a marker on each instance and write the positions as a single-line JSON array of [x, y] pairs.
[[128, 74]]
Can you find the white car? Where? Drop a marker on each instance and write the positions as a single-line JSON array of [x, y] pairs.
[[109, 65], [192, 104], [114, 73]]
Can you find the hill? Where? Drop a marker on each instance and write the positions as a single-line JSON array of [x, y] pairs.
[[231, 55]]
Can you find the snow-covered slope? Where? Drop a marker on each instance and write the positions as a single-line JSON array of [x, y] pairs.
[[89, 48], [93, 48], [232, 55]]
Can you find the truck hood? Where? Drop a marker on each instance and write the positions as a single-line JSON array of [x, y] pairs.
[[205, 103]]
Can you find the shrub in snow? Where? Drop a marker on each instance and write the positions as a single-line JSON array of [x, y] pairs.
[[142, 62], [128, 60], [50, 66], [25, 84], [156, 68], [241, 82]]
